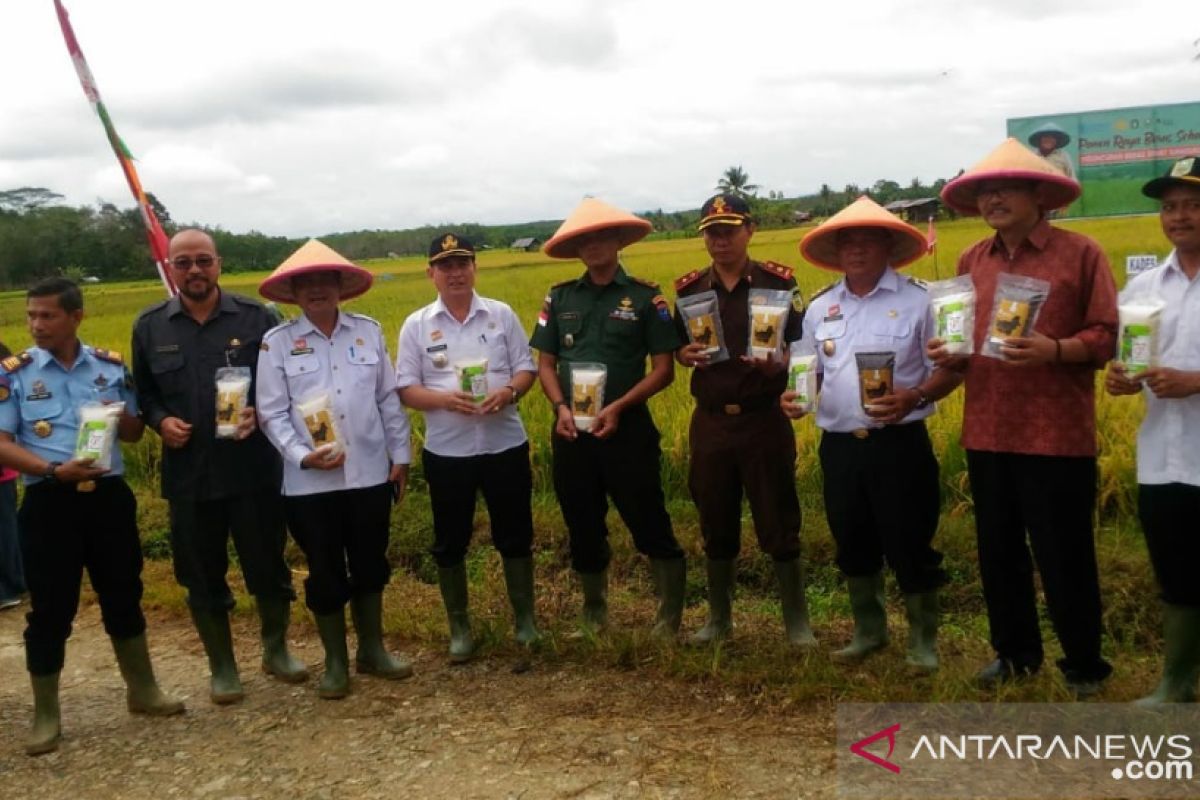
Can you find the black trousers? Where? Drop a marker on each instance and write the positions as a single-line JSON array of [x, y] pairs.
[[753, 454], [200, 532], [64, 531], [506, 481], [625, 467], [344, 536], [882, 501], [1169, 514], [1046, 502]]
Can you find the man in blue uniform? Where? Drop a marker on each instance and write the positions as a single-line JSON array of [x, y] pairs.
[[74, 514]]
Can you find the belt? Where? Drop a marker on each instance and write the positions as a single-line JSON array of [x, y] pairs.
[[736, 409], [884, 430]]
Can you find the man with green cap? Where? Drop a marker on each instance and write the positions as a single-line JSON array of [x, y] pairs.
[[603, 325], [464, 361], [1168, 453]]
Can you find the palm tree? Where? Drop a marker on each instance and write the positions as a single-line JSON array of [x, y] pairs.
[[735, 180]]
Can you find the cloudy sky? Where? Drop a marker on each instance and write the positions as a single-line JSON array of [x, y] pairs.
[[308, 118]]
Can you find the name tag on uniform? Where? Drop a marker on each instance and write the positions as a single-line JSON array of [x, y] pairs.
[[437, 348], [167, 348], [300, 347], [38, 391]]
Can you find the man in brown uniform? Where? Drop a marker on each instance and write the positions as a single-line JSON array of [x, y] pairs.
[[741, 443]]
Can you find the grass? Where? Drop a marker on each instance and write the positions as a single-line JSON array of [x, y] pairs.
[[756, 661]]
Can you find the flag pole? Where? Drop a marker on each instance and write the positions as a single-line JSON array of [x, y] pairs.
[[155, 235]]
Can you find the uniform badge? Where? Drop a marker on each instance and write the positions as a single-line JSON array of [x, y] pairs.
[[660, 303], [101, 381], [235, 342], [624, 311], [38, 391], [300, 347], [827, 347], [797, 300], [440, 359], [359, 342], [569, 340], [42, 428], [892, 313], [435, 335], [5, 392], [264, 347], [85, 486]]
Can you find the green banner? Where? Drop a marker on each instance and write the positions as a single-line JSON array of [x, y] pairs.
[[1113, 152]]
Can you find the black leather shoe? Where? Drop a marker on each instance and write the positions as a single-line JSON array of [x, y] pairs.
[[1002, 670]]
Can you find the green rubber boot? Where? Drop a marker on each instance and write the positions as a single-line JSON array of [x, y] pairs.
[[372, 658], [47, 721], [518, 577], [335, 682], [870, 619], [276, 613], [1181, 661], [453, 583], [670, 581], [595, 602], [720, 603], [794, 604], [922, 611], [142, 694], [225, 686]]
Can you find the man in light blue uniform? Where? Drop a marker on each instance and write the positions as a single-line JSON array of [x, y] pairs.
[[74, 514], [881, 478]]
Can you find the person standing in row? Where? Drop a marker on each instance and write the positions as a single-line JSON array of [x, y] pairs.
[[740, 440], [464, 361], [1029, 418], [12, 574], [327, 400], [881, 490], [1168, 449], [75, 514], [609, 318], [215, 487]]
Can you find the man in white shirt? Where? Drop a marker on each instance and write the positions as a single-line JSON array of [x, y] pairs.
[[1168, 449], [463, 360], [327, 401], [882, 495]]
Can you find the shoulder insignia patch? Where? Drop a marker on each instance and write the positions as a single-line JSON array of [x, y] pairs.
[[111, 356], [797, 300], [644, 282], [686, 280], [778, 270], [823, 290], [365, 318], [5, 388], [544, 315], [264, 346], [917, 282], [660, 303], [14, 363]]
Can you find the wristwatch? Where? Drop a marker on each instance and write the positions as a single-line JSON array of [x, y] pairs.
[[922, 399], [49, 473], [515, 396], [562, 403]]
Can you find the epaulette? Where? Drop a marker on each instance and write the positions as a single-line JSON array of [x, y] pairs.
[[644, 282], [917, 282], [778, 270], [246, 301], [687, 280], [365, 318], [822, 291], [281, 326], [150, 309], [111, 356], [14, 363]]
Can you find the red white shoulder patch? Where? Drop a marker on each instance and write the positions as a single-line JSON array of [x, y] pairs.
[[685, 280], [777, 269]]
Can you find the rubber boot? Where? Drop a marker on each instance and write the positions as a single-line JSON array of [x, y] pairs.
[[670, 580], [47, 720], [922, 611], [225, 686], [794, 604], [518, 577], [720, 602], [595, 602], [142, 694], [335, 682], [453, 583], [870, 619], [1181, 661], [372, 658], [276, 613]]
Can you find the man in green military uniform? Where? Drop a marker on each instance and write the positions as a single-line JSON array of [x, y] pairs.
[[610, 319]]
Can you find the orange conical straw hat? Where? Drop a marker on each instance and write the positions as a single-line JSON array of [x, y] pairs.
[[315, 256], [593, 215], [819, 246], [1011, 160]]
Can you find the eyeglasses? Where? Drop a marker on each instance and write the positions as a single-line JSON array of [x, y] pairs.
[[185, 262], [1001, 191]]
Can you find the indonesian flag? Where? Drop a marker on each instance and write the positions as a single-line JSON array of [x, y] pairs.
[[156, 236], [930, 236]]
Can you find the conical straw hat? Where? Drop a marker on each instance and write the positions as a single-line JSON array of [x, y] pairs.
[[819, 246], [314, 256], [1011, 161], [594, 215]]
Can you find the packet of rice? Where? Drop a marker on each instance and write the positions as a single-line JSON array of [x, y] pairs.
[[233, 394], [472, 377], [1015, 310], [701, 316], [98, 432], [953, 303], [587, 392], [802, 379], [875, 376], [1139, 339], [321, 423], [768, 316]]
